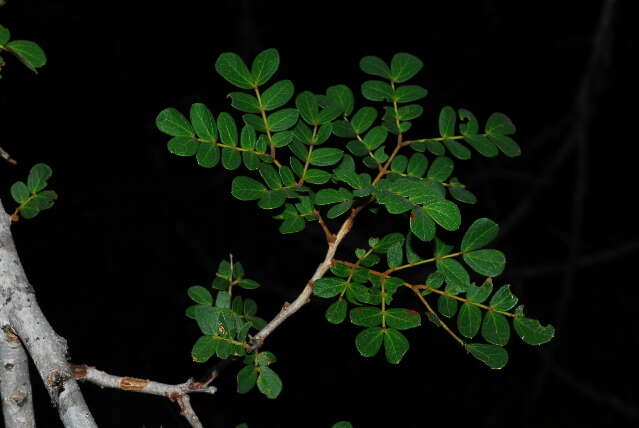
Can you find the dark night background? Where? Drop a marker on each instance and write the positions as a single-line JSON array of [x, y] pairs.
[[134, 226]]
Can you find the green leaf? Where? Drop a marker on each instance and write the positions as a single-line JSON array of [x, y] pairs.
[[342, 424], [499, 124], [20, 192], [481, 233], [405, 66], [269, 383], [277, 95], [366, 316], [44, 200], [457, 149], [282, 139], [507, 145], [482, 145], [375, 137], [328, 287], [532, 332], [173, 123], [223, 299], [479, 294], [29, 53], [207, 155], [445, 213], [264, 66], [244, 102], [403, 319], [246, 379], [307, 105], [272, 199], [417, 165], [200, 295], [399, 164], [447, 120], [250, 307], [231, 159], [339, 209], [410, 112], [5, 35], [329, 196], [342, 96], [409, 93], [469, 124], [38, 177], [248, 284], [227, 129], [422, 225], [363, 119], [282, 119], [206, 318], [231, 67], [203, 349], [369, 341], [336, 312], [456, 276], [469, 320], [495, 328], [270, 176], [247, 189], [395, 345], [375, 90], [486, 262], [447, 306], [388, 241], [326, 156], [395, 255], [256, 122], [462, 195], [203, 122], [375, 66], [183, 146], [440, 169], [29, 210], [493, 356], [317, 176]]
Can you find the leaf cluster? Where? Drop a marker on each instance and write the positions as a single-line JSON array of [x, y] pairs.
[[33, 196], [29, 53]]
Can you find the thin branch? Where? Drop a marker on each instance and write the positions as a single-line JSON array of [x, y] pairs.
[[177, 393], [15, 385], [47, 349], [330, 236]]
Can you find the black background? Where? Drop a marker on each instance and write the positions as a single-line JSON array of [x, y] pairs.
[[134, 226]]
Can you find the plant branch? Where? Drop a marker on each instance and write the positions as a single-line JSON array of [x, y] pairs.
[[441, 323], [47, 349], [330, 236], [290, 308], [15, 385], [177, 393], [6, 156]]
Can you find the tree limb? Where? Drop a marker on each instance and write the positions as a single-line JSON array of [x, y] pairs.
[[15, 385], [177, 393], [47, 349]]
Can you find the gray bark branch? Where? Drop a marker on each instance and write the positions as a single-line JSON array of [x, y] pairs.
[[47, 349]]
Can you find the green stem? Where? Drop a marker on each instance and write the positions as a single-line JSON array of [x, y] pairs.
[[266, 126]]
